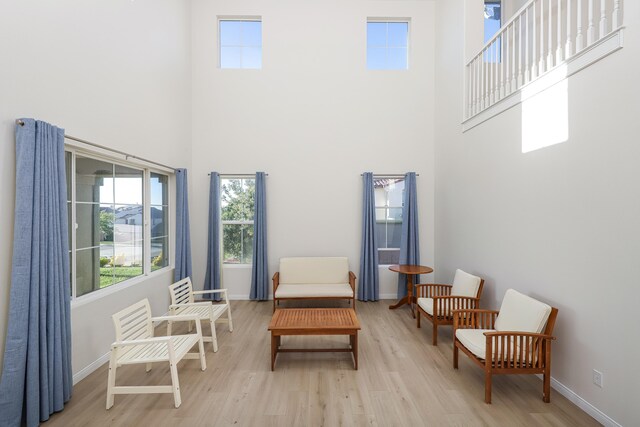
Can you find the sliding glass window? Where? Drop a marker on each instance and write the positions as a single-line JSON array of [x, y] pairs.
[[108, 211]]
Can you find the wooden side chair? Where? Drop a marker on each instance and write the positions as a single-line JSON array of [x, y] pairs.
[[515, 340], [183, 302], [135, 344], [436, 302]]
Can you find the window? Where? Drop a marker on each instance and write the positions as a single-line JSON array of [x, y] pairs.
[[389, 195], [237, 201], [108, 239], [240, 43], [492, 24], [387, 45]]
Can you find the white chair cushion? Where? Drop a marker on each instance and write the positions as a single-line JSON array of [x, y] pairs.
[[474, 340], [465, 284], [522, 313], [314, 290], [426, 304], [313, 270]]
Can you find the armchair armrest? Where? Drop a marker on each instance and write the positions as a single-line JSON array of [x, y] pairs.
[[474, 319], [352, 281], [430, 290], [444, 305], [129, 343], [276, 281]]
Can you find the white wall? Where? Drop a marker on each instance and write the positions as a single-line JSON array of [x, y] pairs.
[[115, 73], [314, 118], [560, 223]]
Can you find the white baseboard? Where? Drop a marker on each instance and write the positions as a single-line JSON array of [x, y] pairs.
[[84, 372], [587, 407]]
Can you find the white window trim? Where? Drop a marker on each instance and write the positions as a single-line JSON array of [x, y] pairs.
[[147, 273], [250, 18], [409, 54]]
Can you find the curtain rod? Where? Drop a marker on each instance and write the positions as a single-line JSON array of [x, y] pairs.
[[388, 175], [236, 174], [102, 147]]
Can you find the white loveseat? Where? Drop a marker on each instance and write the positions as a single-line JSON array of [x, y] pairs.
[[314, 278]]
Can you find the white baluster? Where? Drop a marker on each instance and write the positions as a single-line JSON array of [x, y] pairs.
[[615, 20], [568, 49], [486, 78], [579, 36], [603, 18], [541, 63], [527, 69], [534, 62], [520, 49], [590, 28], [504, 63], [559, 57], [550, 42], [476, 92], [512, 86]]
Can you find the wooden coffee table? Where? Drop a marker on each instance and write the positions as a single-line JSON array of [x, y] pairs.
[[314, 321]]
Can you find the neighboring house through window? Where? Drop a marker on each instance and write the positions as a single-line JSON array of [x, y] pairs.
[[237, 197], [389, 195]]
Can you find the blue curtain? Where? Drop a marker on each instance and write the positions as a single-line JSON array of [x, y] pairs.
[[410, 238], [368, 288], [36, 376], [260, 268], [183, 236], [212, 278]]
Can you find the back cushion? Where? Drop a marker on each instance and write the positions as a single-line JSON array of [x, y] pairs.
[[522, 313], [319, 270], [465, 284]]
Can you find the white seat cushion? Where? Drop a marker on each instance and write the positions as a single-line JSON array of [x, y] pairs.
[[465, 284], [521, 313], [313, 270], [426, 304], [314, 290], [474, 340]]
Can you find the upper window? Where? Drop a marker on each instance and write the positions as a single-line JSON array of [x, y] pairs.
[[240, 43], [237, 200], [389, 195], [109, 240], [387, 45], [492, 18]]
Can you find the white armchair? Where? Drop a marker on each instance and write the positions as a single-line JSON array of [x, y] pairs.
[[135, 344], [183, 302]]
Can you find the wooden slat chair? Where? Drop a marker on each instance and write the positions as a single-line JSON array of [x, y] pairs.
[[183, 302], [436, 302], [135, 344], [515, 340]]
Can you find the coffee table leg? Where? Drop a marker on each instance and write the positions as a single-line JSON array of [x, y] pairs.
[[274, 350], [354, 348]]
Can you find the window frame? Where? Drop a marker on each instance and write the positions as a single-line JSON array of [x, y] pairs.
[[233, 222], [75, 151], [386, 208], [249, 18], [390, 21]]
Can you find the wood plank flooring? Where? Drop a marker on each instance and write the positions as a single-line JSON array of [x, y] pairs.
[[402, 380]]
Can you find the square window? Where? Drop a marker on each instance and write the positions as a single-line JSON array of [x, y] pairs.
[[240, 43], [387, 45]]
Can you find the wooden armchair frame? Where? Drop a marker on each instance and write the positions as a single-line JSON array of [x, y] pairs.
[[443, 304], [352, 299], [508, 352]]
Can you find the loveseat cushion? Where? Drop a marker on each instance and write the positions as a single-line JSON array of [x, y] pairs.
[[311, 290], [313, 270], [465, 284], [522, 313]]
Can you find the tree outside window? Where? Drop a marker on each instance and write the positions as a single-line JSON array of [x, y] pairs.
[[237, 200]]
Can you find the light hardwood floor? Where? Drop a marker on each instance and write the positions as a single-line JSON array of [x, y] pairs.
[[402, 380]]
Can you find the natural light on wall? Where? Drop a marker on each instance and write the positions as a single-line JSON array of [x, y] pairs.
[[545, 118]]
